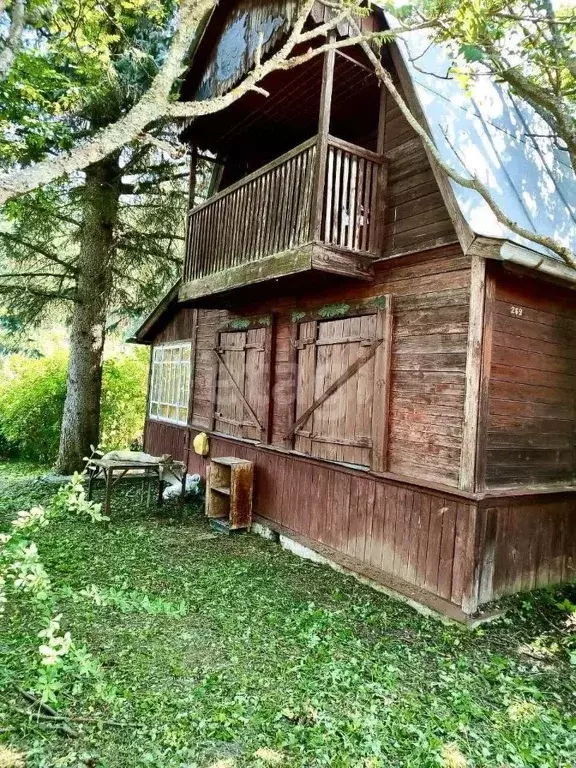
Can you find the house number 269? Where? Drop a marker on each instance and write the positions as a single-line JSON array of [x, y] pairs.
[[516, 311]]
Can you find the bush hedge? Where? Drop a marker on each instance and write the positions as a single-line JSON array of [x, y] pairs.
[[32, 393]]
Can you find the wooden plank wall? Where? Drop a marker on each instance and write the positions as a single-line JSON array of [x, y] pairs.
[[204, 385], [161, 438], [422, 537], [532, 392], [415, 216], [526, 543], [430, 295], [178, 325]]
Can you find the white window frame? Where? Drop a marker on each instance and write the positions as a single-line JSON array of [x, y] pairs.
[[169, 389]]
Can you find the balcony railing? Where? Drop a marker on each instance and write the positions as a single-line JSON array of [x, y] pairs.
[[276, 209]]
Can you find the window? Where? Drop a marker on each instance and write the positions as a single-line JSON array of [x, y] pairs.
[[170, 382], [342, 389], [243, 383]]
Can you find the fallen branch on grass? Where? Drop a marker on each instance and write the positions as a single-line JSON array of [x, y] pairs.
[[58, 719], [46, 713]]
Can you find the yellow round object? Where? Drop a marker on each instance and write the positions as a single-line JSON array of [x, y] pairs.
[[200, 444]]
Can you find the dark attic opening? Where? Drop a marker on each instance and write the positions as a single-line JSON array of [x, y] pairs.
[[257, 129]]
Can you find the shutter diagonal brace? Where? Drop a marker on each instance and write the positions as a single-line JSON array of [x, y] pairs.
[[350, 371], [238, 391]]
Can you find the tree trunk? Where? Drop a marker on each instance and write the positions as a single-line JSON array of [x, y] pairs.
[[81, 419]]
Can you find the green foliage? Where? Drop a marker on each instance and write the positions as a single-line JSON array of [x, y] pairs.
[[81, 61], [26, 588], [80, 67], [530, 46], [334, 310], [131, 601], [124, 399], [275, 659], [32, 393]]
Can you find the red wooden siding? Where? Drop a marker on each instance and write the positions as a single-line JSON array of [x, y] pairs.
[[162, 438], [205, 370], [532, 394], [527, 543], [430, 295], [418, 536], [463, 551], [176, 326]]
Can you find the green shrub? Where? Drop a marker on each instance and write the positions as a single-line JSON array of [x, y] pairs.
[[32, 393], [123, 399]]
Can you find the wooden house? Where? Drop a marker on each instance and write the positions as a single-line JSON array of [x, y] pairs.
[[400, 369]]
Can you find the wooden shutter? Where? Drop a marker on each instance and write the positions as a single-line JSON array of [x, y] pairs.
[[241, 406], [348, 360]]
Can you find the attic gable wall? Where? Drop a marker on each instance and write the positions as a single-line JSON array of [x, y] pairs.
[[416, 217], [233, 52]]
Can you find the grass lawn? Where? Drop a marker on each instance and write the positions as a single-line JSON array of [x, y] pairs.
[[228, 651]]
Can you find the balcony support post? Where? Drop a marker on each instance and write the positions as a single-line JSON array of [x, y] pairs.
[[191, 199], [382, 176], [322, 146]]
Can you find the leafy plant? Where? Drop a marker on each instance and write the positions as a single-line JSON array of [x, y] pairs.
[[274, 660], [27, 587], [32, 392]]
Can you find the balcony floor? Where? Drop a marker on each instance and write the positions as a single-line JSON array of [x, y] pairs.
[[310, 257]]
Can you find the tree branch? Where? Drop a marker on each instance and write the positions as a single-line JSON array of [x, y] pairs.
[[151, 107], [43, 294], [12, 42], [38, 249], [155, 103], [471, 182], [12, 275]]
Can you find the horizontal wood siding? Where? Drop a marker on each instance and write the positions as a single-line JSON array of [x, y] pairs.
[[431, 304], [532, 392], [178, 325], [415, 214]]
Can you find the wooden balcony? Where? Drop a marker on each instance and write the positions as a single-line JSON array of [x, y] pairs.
[[313, 208]]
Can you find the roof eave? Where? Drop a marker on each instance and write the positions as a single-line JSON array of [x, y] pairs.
[[147, 325], [508, 252]]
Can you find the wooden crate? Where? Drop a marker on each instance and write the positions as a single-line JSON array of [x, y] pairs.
[[229, 490]]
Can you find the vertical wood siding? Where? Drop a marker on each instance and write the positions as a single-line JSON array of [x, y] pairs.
[[420, 537], [341, 428], [532, 391], [177, 326], [162, 438], [440, 543], [527, 543], [204, 385]]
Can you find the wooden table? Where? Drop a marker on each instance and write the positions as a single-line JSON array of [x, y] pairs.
[[106, 468]]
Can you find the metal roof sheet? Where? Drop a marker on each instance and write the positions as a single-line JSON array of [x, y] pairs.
[[497, 137]]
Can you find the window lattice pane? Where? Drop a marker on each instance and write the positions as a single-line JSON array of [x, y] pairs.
[[170, 382]]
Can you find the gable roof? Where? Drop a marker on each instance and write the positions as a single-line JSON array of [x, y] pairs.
[[499, 138]]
